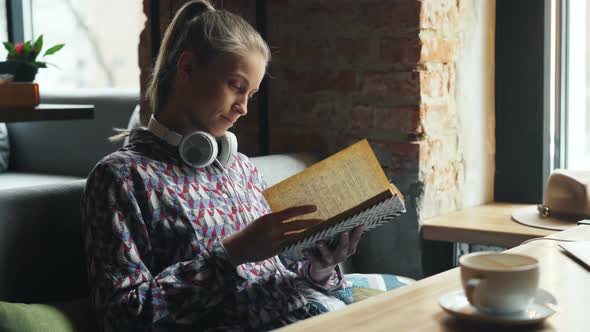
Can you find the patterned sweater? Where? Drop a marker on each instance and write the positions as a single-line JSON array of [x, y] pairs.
[[153, 227]]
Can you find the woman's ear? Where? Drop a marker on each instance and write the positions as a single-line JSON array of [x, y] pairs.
[[186, 65]]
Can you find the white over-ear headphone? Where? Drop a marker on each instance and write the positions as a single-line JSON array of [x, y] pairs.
[[199, 148]]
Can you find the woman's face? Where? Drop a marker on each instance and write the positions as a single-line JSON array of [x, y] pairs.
[[217, 93]]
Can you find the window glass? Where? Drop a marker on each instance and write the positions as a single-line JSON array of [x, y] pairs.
[[101, 39], [3, 29], [578, 86]]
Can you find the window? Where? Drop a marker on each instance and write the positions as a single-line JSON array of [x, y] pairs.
[[101, 38], [3, 28], [575, 84]]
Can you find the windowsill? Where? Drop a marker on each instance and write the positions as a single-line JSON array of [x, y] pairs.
[[489, 224], [52, 94]]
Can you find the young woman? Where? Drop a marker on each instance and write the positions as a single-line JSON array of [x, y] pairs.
[[178, 235]]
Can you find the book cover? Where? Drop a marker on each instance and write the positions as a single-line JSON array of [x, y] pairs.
[[349, 188]]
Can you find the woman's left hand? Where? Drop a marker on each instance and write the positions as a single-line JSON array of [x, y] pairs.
[[323, 262]]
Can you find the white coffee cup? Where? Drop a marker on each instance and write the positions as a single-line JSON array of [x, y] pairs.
[[499, 283]]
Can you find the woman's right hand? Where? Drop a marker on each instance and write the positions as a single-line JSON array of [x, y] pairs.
[[262, 238]]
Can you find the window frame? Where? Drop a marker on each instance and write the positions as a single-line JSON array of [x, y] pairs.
[[523, 118], [15, 21]]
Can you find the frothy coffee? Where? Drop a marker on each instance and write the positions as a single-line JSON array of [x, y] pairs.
[[500, 261]]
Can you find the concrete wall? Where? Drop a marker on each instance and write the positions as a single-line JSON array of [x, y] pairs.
[[475, 100]]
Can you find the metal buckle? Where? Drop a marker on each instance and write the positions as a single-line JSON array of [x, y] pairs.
[[543, 210]]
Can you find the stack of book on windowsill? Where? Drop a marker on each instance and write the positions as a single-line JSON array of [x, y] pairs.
[[17, 95]]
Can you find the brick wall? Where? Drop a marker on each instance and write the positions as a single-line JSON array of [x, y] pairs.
[[378, 69]]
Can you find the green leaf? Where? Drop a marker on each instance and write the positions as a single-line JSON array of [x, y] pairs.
[[54, 49], [40, 64], [27, 49], [39, 43], [10, 48]]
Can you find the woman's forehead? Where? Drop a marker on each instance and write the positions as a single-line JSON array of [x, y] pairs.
[[251, 66]]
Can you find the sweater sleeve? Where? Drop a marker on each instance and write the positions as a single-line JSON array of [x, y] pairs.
[[126, 294], [301, 267], [298, 265]]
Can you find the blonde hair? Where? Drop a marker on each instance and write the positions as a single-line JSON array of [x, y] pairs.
[[197, 26]]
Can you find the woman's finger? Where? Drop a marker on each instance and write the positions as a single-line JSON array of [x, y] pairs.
[[293, 212], [312, 256], [298, 225], [327, 254], [341, 251], [355, 237]]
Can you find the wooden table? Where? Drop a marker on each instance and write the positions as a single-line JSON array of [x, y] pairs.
[[415, 307], [489, 224], [46, 112]]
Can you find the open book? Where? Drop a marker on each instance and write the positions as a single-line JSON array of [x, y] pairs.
[[349, 189]]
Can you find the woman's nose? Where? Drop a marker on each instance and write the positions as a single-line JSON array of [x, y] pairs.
[[243, 109], [242, 105]]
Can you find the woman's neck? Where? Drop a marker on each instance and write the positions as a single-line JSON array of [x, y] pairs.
[[173, 117]]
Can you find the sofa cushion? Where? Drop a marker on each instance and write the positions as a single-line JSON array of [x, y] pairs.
[[10, 180], [4, 148], [276, 168]]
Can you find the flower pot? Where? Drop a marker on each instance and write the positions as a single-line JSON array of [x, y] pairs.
[[22, 71]]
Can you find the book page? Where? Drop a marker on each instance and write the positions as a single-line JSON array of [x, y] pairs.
[[336, 184]]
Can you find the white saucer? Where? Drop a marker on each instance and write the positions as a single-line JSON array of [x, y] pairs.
[[542, 307]]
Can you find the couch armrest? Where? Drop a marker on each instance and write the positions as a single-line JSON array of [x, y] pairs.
[[41, 247]]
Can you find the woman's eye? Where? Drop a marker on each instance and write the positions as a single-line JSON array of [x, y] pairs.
[[235, 85]]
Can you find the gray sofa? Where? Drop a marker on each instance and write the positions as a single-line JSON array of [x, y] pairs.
[[57, 151]]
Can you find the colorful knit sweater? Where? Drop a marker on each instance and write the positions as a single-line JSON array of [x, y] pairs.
[[153, 227]]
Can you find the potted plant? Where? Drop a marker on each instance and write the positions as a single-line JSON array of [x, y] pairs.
[[22, 61]]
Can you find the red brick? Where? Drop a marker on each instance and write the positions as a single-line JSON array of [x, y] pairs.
[[387, 84], [310, 51], [352, 50], [319, 113], [318, 81], [392, 16], [404, 118], [400, 50], [397, 156], [292, 139], [245, 9], [362, 117]]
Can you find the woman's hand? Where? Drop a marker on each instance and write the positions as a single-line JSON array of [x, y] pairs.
[[262, 238], [323, 263]]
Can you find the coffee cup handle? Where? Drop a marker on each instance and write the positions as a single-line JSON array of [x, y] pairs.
[[470, 287]]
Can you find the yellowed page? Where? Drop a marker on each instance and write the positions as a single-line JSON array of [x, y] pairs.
[[336, 184]]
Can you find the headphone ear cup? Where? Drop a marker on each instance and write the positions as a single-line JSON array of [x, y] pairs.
[[198, 149], [228, 149]]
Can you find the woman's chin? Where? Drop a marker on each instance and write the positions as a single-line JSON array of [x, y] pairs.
[[218, 132]]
